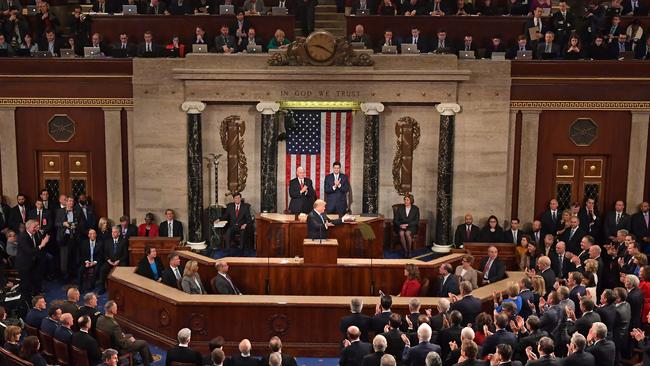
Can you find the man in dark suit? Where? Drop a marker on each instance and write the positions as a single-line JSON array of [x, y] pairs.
[[368, 5], [37, 313], [156, 7], [467, 232], [441, 44], [301, 191], [91, 258], [563, 22], [172, 275], [64, 332], [394, 337], [171, 228], [513, 235], [96, 41], [577, 355], [560, 263], [240, 221], [42, 216], [589, 218], [576, 290], [275, 346], [500, 336], [30, 259], [447, 281], [635, 299], [115, 253], [223, 282], [452, 333], [551, 219], [124, 48], [617, 47], [51, 322], [382, 315], [544, 267], [642, 51], [640, 221], [415, 356], [359, 34], [70, 228], [545, 349], [573, 235], [379, 345], [127, 229], [468, 41], [89, 309], [18, 213], [526, 294], [183, 353], [318, 223], [503, 356], [388, 40], [148, 48], [244, 357], [607, 311], [84, 341], [251, 39], [468, 305], [51, 43], [603, 349], [527, 336], [354, 349], [337, 187], [622, 323], [548, 50], [417, 39], [356, 319], [615, 221], [224, 42], [100, 6], [469, 353], [493, 268]]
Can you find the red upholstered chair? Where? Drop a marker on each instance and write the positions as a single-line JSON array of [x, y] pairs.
[[424, 287], [62, 352], [79, 357], [9, 359], [47, 347]]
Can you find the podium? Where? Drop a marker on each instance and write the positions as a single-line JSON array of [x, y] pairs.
[[163, 245], [319, 251]]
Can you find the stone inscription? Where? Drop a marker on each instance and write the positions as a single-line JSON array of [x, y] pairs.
[[326, 93]]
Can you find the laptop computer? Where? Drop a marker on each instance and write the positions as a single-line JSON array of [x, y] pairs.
[[42, 54], [409, 48], [129, 9], [524, 55], [32, 10], [67, 53], [362, 12], [226, 9], [254, 48], [389, 49], [279, 10], [466, 55], [499, 56], [627, 55], [92, 51], [199, 48], [357, 45]]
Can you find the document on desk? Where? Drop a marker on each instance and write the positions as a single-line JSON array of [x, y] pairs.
[[220, 224]]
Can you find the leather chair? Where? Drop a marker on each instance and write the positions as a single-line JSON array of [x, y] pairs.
[[213, 285], [79, 357], [31, 330], [62, 352], [424, 287], [9, 359], [105, 342], [47, 347]]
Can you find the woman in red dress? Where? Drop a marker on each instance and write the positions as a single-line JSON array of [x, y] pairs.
[[148, 228], [411, 286], [644, 286]]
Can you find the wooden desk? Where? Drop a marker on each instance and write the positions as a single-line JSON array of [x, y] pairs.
[[291, 276], [308, 325], [507, 253], [281, 235], [163, 246], [164, 27], [320, 251]]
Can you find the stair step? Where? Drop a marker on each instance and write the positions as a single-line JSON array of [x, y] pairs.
[[325, 8], [330, 16], [329, 24]]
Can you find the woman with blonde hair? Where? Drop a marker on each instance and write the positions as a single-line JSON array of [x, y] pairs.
[[466, 272], [511, 295], [566, 222], [279, 40], [191, 281], [103, 229], [539, 288], [411, 286]]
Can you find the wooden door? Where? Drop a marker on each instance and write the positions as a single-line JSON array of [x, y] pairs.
[[577, 178], [62, 172]]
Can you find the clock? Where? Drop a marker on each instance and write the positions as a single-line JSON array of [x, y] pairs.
[[320, 46], [583, 131], [61, 128]]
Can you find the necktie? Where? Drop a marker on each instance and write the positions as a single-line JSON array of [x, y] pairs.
[[170, 232], [92, 251], [302, 184], [514, 237], [612, 30], [560, 265], [389, 43], [573, 231], [466, 47], [618, 215], [148, 47], [114, 246], [237, 211], [415, 41], [123, 46], [177, 273], [468, 232], [537, 237], [548, 48], [553, 215], [232, 285], [40, 217], [22, 212], [488, 264], [647, 219], [441, 44], [31, 236], [521, 49], [621, 47]]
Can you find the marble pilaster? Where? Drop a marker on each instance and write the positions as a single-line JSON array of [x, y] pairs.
[[637, 159], [269, 156], [194, 169], [370, 197], [113, 147], [528, 164], [9, 154], [445, 172]]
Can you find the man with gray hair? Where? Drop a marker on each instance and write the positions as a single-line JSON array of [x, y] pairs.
[[414, 311], [387, 360], [577, 355], [443, 311], [415, 356], [635, 299], [379, 344], [603, 350], [356, 319], [275, 346], [433, 359], [466, 334], [182, 352], [275, 359], [244, 357]]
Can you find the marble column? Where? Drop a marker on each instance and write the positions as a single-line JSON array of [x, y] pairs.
[[637, 159], [130, 152], [445, 172], [528, 164], [113, 147], [269, 156], [9, 154], [194, 170], [370, 196]]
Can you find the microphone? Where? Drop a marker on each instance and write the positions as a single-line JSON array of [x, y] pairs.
[[320, 232]]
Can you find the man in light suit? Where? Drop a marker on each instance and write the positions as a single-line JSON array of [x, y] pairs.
[[415, 356], [171, 227], [448, 283], [337, 187], [318, 223], [301, 191], [223, 282]]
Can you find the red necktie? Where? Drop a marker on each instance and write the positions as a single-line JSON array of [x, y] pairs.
[[236, 211], [487, 267]]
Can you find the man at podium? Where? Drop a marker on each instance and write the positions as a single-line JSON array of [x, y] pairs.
[[318, 223]]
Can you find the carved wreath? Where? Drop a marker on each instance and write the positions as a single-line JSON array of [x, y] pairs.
[[398, 164], [242, 174]]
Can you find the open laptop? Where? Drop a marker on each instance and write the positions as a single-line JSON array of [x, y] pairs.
[[279, 10], [32, 10], [389, 49], [524, 55], [199, 48], [226, 9], [254, 48], [92, 52], [498, 56], [42, 54], [67, 53], [129, 9], [409, 48], [362, 12], [357, 45], [627, 55], [466, 55]]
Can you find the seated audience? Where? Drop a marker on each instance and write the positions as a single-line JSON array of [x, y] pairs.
[[465, 272], [598, 49], [573, 50], [182, 352], [30, 351], [548, 50], [254, 7], [84, 341], [191, 282], [110, 357], [51, 43], [180, 7], [278, 41], [175, 48], [414, 356], [224, 42], [441, 44], [96, 42], [91, 258], [172, 275], [421, 43], [12, 339], [643, 53], [618, 46], [64, 332], [223, 282], [464, 8], [148, 227], [387, 7], [467, 232], [240, 221], [51, 322], [37, 313], [199, 38], [109, 325], [205, 7], [438, 9], [359, 36], [516, 8], [485, 7], [354, 349], [150, 265], [251, 40], [148, 49], [492, 231], [28, 45], [493, 268]]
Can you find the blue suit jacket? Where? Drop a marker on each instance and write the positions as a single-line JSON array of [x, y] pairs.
[[451, 285], [336, 199], [416, 355]]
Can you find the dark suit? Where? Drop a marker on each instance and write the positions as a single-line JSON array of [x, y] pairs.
[[85, 341], [472, 363], [44, 219], [177, 228], [549, 279], [395, 344], [221, 40], [224, 287], [336, 198], [447, 335], [635, 299], [301, 202], [584, 323], [611, 227], [243, 44], [608, 317], [550, 319], [353, 354], [415, 356], [130, 230], [621, 327], [469, 306], [169, 278], [509, 237], [361, 321], [63, 334], [450, 285], [85, 256], [566, 266], [501, 336], [529, 340], [544, 361], [130, 50], [184, 355], [642, 52], [287, 360], [573, 241], [177, 7], [550, 226], [239, 360], [580, 358], [237, 218], [114, 253], [615, 48], [526, 295], [316, 228], [638, 225], [373, 359], [604, 352], [575, 294], [412, 219], [16, 218], [48, 326], [35, 317], [421, 43], [461, 237], [29, 263], [155, 51], [496, 272], [379, 321], [144, 268]]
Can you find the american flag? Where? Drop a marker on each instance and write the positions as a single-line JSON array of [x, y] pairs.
[[318, 139]]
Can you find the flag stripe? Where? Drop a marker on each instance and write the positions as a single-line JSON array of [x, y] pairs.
[[348, 143]]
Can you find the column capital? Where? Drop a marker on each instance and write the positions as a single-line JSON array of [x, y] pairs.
[[112, 109], [192, 107], [448, 109], [531, 111], [372, 108], [268, 107]]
